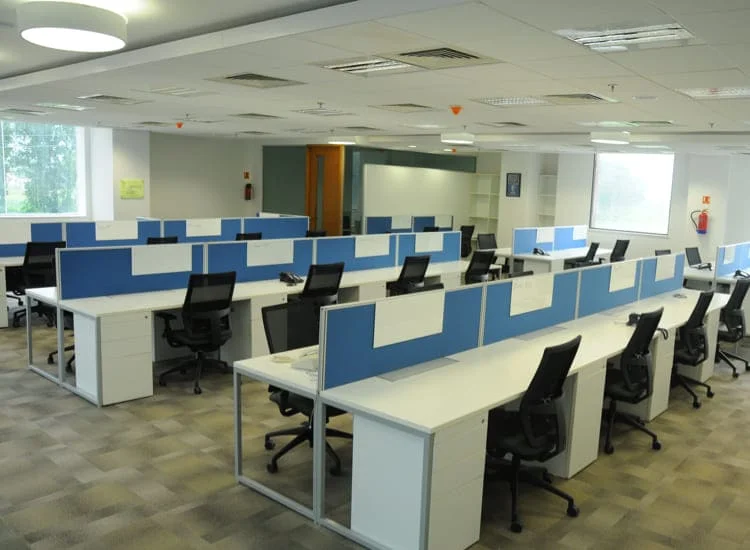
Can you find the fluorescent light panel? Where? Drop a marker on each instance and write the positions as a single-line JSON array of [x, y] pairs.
[[512, 101], [620, 38], [63, 106], [716, 93], [368, 65]]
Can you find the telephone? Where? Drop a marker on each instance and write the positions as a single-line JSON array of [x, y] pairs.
[[289, 278], [539, 252], [741, 274]]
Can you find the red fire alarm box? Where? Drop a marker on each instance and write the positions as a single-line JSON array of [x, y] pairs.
[[248, 191]]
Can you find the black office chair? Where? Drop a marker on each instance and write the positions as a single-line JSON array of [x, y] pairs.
[[583, 261], [467, 232], [315, 233], [430, 229], [205, 322], [249, 236], [520, 274], [67, 324], [37, 271], [479, 267], [411, 276], [732, 326], [618, 252], [631, 383], [662, 252], [425, 288], [172, 239], [322, 284], [486, 241], [536, 432], [691, 347], [292, 326]]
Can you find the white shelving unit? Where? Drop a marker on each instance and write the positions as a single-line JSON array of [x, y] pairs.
[[485, 196], [546, 200]]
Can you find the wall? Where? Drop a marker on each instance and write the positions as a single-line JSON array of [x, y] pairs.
[[131, 160], [198, 177], [284, 172], [737, 218], [100, 157]]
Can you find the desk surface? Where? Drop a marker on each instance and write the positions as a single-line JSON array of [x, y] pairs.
[[568, 254], [268, 369], [695, 274], [11, 261], [490, 376], [172, 299]]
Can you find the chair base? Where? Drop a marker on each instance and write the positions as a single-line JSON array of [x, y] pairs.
[[612, 415], [40, 310], [727, 357], [514, 473], [303, 434], [685, 383], [197, 364], [69, 363]]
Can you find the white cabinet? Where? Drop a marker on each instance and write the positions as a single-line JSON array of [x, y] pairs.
[[485, 196]]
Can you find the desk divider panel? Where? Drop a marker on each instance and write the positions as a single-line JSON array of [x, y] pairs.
[[499, 324], [732, 257], [92, 272], [109, 234], [14, 238], [349, 341], [388, 224], [662, 274], [417, 244], [420, 222], [235, 256], [283, 227], [203, 230], [570, 237], [609, 286], [359, 252], [526, 239]]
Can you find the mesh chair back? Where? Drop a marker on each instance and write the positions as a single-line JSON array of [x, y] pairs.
[[413, 270], [248, 236], [692, 335], [431, 229], [38, 268], [323, 280], [618, 252], [662, 252], [486, 241], [591, 254], [289, 326], [315, 234], [731, 314], [693, 256], [479, 266], [172, 239], [205, 312], [520, 274], [635, 361], [700, 310], [467, 231], [542, 421]]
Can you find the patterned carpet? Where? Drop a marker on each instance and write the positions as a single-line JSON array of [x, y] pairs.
[[158, 473]]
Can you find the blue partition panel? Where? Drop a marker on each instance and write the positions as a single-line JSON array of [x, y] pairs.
[[379, 224], [46, 232], [741, 260], [349, 351], [595, 295], [12, 250], [420, 222], [233, 257], [524, 241], [229, 229], [92, 272], [651, 287], [500, 325], [564, 239], [342, 249], [451, 248], [277, 228], [83, 235]]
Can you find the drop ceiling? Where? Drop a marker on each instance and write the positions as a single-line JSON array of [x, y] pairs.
[[181, 80]]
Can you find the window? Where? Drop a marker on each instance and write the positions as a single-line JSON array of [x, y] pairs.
[[42, 170], [632, 192]]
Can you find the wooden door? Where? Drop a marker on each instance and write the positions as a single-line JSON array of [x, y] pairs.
[[324, 188]]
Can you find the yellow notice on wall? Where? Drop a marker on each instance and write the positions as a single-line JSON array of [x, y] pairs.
[[132, 189]]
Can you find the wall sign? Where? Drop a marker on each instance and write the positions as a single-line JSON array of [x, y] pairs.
[[513, 184]]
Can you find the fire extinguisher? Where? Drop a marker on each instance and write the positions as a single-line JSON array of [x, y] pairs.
[[248, 191], [701, 224]]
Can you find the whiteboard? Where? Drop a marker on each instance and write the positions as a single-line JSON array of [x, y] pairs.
[[429, 242], [203, 227], [408, 191], [366, 246], [622, 275], [531, 293], [665, 267], [271, 252], [161, 258], [408, 317]]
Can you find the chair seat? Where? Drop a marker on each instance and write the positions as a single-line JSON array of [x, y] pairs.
[[684, 357], [505, 435], [729, 336], [615, 388], [304, 405], [195, 344]]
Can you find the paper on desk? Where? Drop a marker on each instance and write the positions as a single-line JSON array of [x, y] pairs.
[[729, 252], [545, 235], [408, 317], [531, 293], [580, 232], [444, 220], [271, 252], [165, 258], [622, 275], [366, 246], [117, 230], [401, 222], [665, 267], [429, 242], [207, 227], [15, 232]]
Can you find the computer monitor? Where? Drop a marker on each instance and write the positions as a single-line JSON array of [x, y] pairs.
[[693, 256]]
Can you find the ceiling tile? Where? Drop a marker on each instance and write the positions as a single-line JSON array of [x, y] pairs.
[[591, 65], [370, 38], [672, 60], [720, 27], [681, 7], [703, 79]]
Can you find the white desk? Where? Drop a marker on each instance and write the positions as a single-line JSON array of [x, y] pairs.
[[699, 279], [4, 263], [554, 260], [118, 339], [419, 445]]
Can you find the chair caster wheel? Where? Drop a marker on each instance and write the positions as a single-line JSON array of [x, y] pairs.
[[269, 444], [696, 404], [335, 471], [573, 511], [735, 375], [609, 449], [272, 468], [709, 394], [69, 369], [162, 382], [516, 527], [546, 477], [656, 446], [197, 390], [50, 361], [16, 324]]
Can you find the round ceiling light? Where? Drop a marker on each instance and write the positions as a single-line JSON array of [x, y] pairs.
[[71, 27]]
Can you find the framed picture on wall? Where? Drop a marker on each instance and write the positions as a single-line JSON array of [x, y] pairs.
[[513, 184]]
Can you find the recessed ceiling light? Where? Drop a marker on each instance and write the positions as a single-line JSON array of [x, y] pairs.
[[610, 138], [607, 124], [511, 101], [63, 106], [716, 93], [449, 150], [425, 126], [412, 146], [651, 146], [621, 38], [645, 98], [322, 111], [71, 27], [342, 141], [458, 138]]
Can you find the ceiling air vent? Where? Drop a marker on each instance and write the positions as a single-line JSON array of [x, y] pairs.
[[652, 123], [577, 99], [112, 99], [25, 112], [322, 111], [253, 133], [306, 131], [153, 123], [368, 66], [441, 58], [254, 80], [361, 129], [255, 116], [520, 101], [177, 91], [404, 107], [503, 124]]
